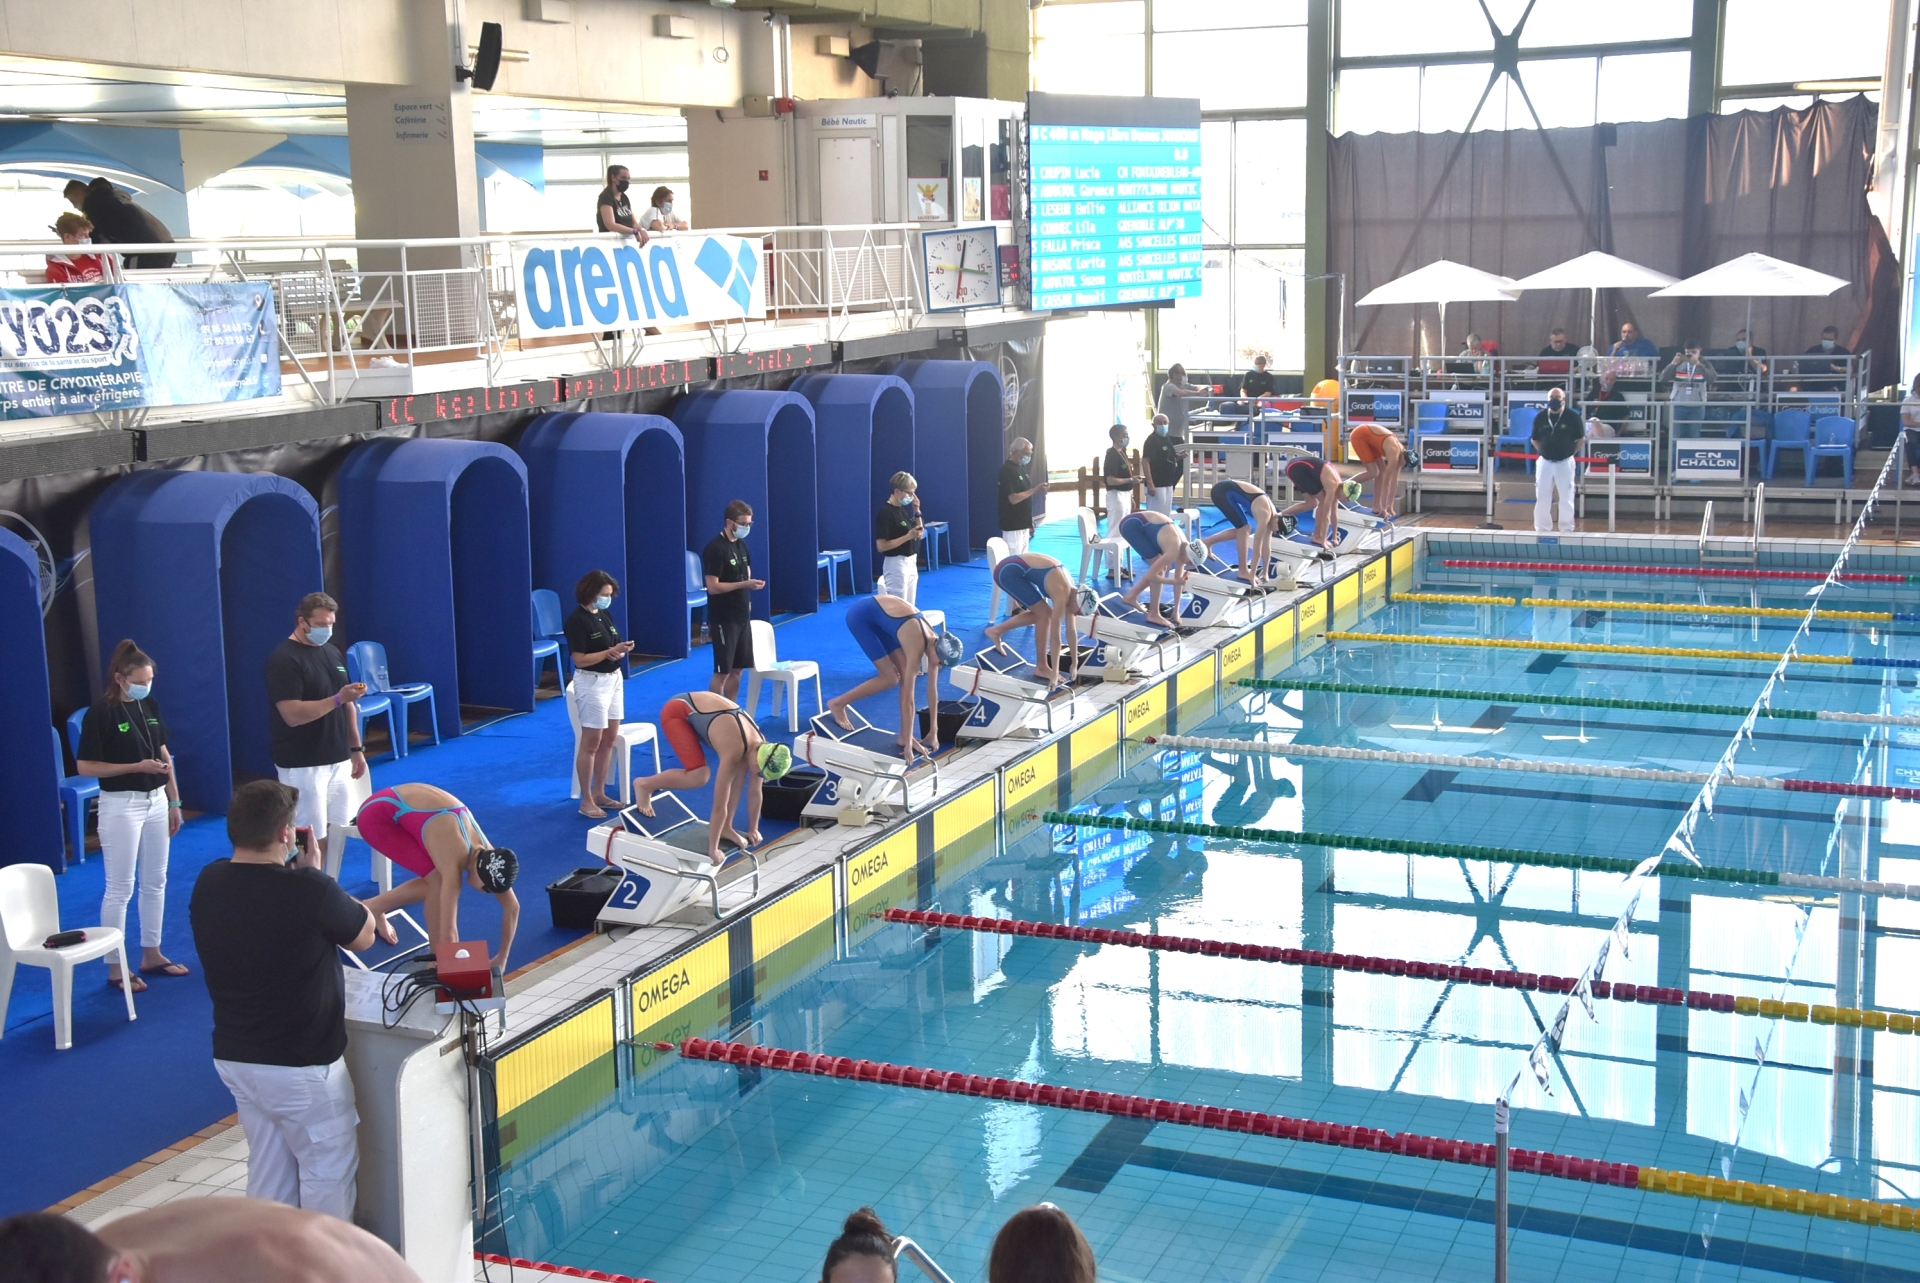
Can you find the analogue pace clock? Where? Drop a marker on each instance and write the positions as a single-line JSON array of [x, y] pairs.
[[962, 266]]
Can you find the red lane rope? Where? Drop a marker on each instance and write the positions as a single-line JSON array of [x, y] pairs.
[[1695, 998], [1710, 572], [571, 1271], [1436, 1148]]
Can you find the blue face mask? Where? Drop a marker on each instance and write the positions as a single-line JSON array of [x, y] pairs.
[[740, 529], [138, 693], [603, 601], [320, 636], [1024, 460], [905, 501]]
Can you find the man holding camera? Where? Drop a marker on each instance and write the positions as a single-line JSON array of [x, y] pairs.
[[313, 729]]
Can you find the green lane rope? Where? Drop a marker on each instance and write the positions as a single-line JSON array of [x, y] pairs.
[[1570, 701]]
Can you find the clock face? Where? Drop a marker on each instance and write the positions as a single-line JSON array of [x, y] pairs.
[[962, 268]]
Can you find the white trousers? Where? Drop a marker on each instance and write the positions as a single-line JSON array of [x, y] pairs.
[[1119, 504], [323, 795], [133, 835], [1160, 499], [300, 1120], [1548, 477], [1016, 540], [900, 577]]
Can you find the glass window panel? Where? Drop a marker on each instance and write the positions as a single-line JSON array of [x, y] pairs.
[[1371, 28], [575, 166], [1778, 41], [1561, 90], [1262, 67], [1195, 331], [1378, 100], [1448, 95], [1270, 177], [1270, 308], [1647, 86], [1091, 48], [1212, 15], [1216, 179], [1564, 22]]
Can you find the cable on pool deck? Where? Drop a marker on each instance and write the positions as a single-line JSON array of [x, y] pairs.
[[1214, 1117], [1526, 698], [1602, 648], [1703, 572], [1495, 854], [1658, 607]]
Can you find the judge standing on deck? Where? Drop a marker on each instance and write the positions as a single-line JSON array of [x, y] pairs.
[[599, 686], [897, 532], [1558, 433], [1017, 490], [729, 569]]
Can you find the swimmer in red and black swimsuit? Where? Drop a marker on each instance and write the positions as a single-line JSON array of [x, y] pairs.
[[694, 722]]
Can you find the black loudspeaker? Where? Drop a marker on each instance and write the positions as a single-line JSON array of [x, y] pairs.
[[867, 58], [486, 62]]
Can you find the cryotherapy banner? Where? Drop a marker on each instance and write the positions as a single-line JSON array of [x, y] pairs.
[[596, 285], [123, 347]]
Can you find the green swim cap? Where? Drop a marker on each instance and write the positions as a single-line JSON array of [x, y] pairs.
[[1351, 489], [773, 761]]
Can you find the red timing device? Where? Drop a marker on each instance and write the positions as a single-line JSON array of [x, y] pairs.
[[464, 969]]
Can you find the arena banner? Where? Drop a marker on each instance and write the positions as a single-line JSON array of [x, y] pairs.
[[1445, 453], [1698, 460], [94, 348], [1373, 407], [594, 285]]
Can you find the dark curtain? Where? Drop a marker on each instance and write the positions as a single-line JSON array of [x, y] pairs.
[[1677, 195]]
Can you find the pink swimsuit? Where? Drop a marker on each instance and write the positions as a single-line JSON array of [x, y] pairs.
[[394, 830]]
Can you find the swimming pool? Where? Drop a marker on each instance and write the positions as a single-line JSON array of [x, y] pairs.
[[646, 1164]]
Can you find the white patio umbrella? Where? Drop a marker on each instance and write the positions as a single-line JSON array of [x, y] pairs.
[[1595, 271], [1754, 276], [1444, 281]]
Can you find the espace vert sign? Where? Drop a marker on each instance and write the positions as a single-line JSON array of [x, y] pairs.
[[591, 286]]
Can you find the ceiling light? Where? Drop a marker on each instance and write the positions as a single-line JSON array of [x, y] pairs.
[[1837, 86], [78, 120]]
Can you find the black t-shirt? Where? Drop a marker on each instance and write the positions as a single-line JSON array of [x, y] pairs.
[[1014, 480], [1257, 383], [1558, 436], [591, 631], [296, 670], [1117, 470], [118, 732], [894, 521], [266, 936], [1166, 461], [622, 208], [728, 561], [118, 221]]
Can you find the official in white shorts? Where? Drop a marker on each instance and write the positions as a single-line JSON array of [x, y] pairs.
[[313, 728], [897, 531], [599, 687]]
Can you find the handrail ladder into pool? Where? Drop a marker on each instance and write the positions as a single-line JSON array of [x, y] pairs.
[[904, 1246]]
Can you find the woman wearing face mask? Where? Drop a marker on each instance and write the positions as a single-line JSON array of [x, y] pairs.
[[897, 532], [659, 215], [1166, 460], [123, 744], [599, 686], [74, 269], [1017, 490]]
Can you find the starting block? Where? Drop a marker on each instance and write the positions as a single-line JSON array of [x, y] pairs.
[[865, 772], [1211, 590], [664, 866], [1122, 642], [1007, 698]]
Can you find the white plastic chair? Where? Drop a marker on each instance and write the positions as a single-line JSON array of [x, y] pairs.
[[29, 913], [783, 677], [997, 552], [1093, 549], [620, 765], [358, 791]]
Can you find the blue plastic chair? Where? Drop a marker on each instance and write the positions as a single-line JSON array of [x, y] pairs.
[[374, 704], [1792, 430], [1430, 416], [74, 792], [1519, 433], [696, 584], [548, 623], [830, 560], [544, 648], [370, 659], [1833, 437]]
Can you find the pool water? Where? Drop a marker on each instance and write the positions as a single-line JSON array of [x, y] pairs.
[[689, 1171]]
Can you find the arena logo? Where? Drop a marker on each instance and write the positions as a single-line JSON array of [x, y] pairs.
[[867, 868], [662, 989], [67, 332], [593, 286]]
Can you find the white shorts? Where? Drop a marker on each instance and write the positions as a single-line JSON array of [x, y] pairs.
[[1017, 540], [325, 795], [600, 698]]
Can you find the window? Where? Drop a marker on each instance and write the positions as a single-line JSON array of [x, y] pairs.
[[1378, 28], [1378, 100], [1777, 42], [1091, 48], [1560, 23], [1648, 86], [1269, 182], [1232, 71]]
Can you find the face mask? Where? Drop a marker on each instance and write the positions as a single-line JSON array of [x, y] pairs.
[[740, 529], [667, 209], [319, 636], [621, 186], [1556, 405], [1826, 345], [1161, 428], [138, 693], [1741, 346], [1024, 460], [602, 601]]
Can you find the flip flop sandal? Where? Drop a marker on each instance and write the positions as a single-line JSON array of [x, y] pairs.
[[139, 985], [166, 969]]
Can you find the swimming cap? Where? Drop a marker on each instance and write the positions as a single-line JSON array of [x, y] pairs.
[[949, 648], [1286, 524], [773, 761], [1350, 490], [1196, 553], [1086, 600], [497, 868]]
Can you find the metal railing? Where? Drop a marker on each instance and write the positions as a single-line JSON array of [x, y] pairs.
[[345, 306], [906, 1247]]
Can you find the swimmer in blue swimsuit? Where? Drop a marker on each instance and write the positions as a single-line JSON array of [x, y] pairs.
[[1253, 518], [897, 639], [1044, 591], [1156, 537]]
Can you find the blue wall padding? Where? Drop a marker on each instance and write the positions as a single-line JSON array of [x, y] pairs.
[[29, 796], [434, 552], [609, 492], [959, 431], [204, 571], [757, 446], [863, 434]]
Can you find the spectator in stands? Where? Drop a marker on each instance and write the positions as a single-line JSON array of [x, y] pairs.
[[1739, 360], [313, 730], [1691, 380], [1633, 343], [1017, 490], [75, 269], [1166, 461], [862, 1254], [898, 531], [1825, 363], [1116, 471], [123, 744], [118, 221], [1556, 358], [1609, 409], [1173, 398], [729, 574], [613, 212], [658, 217], [599, 687], [1257, 382], [268, 937], [198, 1240], [1041, 1244]]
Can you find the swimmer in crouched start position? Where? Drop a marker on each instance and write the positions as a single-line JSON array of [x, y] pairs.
[[1040, 585], [699, 720], [432, 834], [896, 637]]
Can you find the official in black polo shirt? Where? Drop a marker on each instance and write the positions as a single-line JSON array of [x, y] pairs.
[[599, 687], [1558, 433], [897, 531], [1016, 495], [729, 570], [123, 744], [313, 729], [1166, 460]]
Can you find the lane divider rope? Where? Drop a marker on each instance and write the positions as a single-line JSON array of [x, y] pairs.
[[1704, 572], [570, 1271], [1341, 753], [1603, 648], [1495, 854], [1698, 1000], [1569, 701], [1658, 607], [1283, 1127]]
